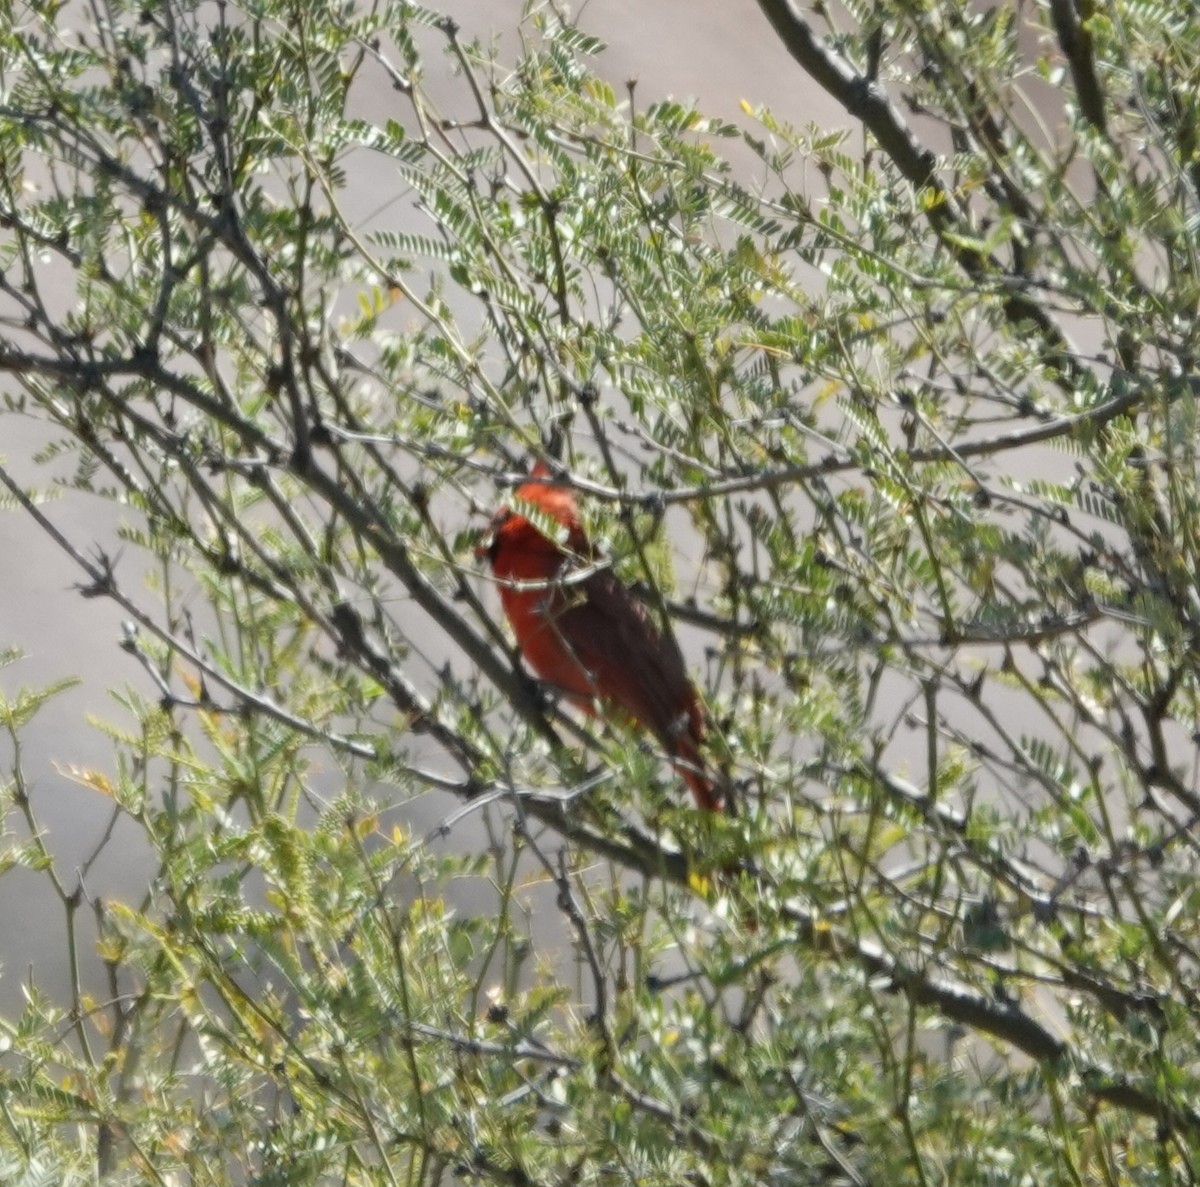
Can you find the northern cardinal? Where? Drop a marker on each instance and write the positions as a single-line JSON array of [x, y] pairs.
[[586, 635]]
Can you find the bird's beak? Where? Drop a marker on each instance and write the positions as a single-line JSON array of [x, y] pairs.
[[488, 542]]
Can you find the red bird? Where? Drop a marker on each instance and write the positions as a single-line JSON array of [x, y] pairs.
[[588, 636]]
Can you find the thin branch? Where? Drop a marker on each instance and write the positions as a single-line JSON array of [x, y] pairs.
[[1075, 41], [865, 100]]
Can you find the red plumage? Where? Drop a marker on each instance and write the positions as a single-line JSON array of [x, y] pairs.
[[588, 636]]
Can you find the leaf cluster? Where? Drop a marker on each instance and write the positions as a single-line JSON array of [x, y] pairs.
[[895, 424]]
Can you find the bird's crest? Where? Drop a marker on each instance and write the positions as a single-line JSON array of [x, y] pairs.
[[557, 502]]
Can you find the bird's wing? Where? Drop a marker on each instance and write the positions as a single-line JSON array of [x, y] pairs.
[[629, 661]]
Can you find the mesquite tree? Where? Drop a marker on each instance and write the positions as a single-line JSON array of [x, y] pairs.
[[892, 425]]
